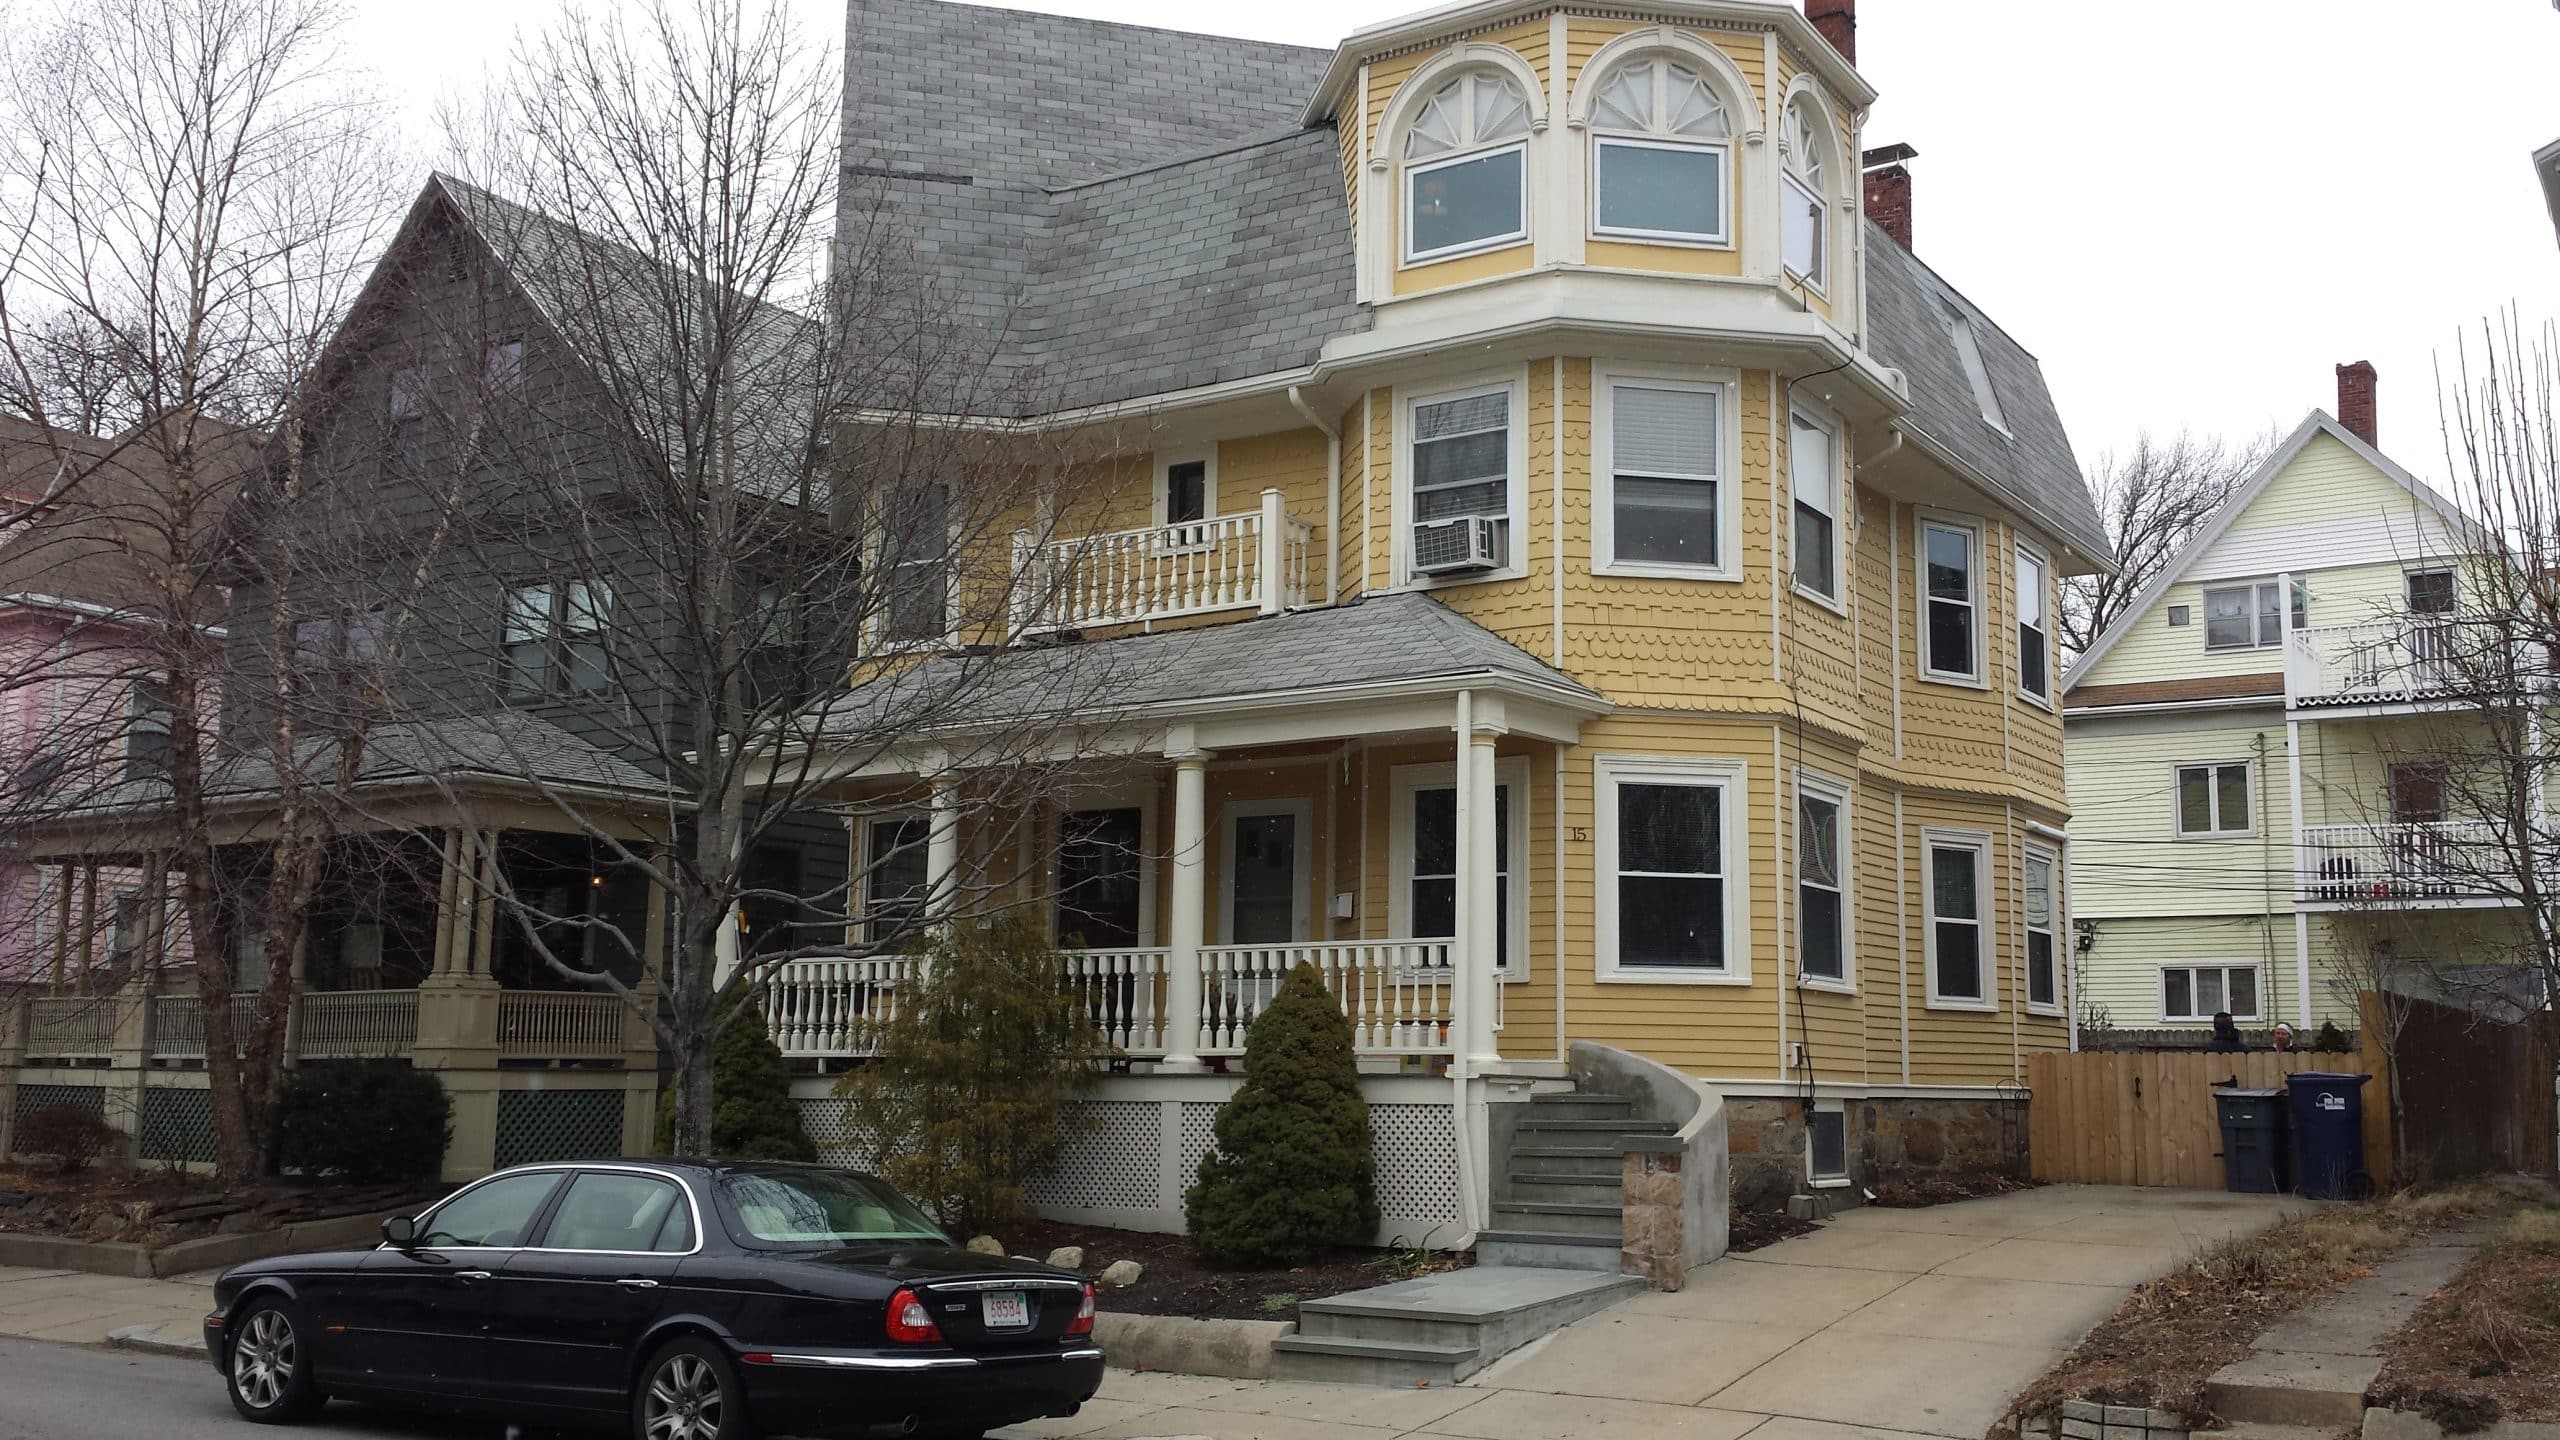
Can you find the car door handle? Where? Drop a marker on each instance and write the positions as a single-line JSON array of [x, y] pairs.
[[637, 1284], [467, 1276]]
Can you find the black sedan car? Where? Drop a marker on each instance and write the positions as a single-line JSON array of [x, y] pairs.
[[679, 1300]]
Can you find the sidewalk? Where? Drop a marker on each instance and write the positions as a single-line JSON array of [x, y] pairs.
[[82, 1309]]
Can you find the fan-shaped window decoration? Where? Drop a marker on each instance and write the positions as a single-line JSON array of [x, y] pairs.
[[1662, 154], [1466, 168], [1803, 213]]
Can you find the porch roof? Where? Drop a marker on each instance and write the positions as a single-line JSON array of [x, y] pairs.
[[1383, 644]]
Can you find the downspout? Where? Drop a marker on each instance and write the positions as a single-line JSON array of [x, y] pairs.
[[1332, 493]]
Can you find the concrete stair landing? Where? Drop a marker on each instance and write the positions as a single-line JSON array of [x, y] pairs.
[[1555, 1197], [1439, 1329]]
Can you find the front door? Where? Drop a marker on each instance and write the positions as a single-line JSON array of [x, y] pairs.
[[1266, 872]]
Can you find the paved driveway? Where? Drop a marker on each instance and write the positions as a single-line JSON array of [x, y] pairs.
[[1906, 1321]]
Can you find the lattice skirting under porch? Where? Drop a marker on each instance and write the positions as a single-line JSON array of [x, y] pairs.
[[1149, 1134], [558, 1125], [177, 1124]]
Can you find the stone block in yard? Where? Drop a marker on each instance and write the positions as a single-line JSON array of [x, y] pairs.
[[2133, 1415], [1123, 1273], [2124, 1432], [985, 1245], [2081, 1429], [1067, 1257], [2089, 1410]]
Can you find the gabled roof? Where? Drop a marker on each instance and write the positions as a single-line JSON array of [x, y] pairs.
[[2317, 423], [2031, 462]]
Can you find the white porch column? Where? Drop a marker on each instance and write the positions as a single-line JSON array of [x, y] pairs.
[[1462, 886], [2301, 860], [942, 850], [1484, 929], [1271, 566], [1182, 980]]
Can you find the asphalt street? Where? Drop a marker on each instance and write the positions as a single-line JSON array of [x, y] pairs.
[[73, 1392]]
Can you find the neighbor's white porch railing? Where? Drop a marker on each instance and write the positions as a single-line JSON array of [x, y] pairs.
[[559, 1025], [67, 1027], [2369, 864], [1397, 994], [1255, 560], [2401, 659], [177, 1025], [356, 1024]]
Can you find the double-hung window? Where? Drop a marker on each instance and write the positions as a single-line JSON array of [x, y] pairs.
[[1462, 453], [916, 565], [1101, 878], [2199, 992], [2431, 592], [2238, 617], [1427, 907], [1813, 474], [2044, 979], [2035, 645], [1670, 883], [1950, 579], [405, 415], [1186, 492], [1822, 884], [1801, 206], [2213, 799], [895, 881], [1667, 506], [1959, 968], [554, 637], [148, 720], [1466, 177], [1662, 153]]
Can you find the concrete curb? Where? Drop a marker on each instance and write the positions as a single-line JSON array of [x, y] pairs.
[[210, 1252], [151, 1339], [2381, 1424], [1182, 1345]]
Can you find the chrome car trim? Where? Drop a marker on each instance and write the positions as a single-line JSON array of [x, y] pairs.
[[924, 1362], [1027, 1282]]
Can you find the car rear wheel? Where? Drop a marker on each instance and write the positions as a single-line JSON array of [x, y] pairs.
[[688, 1391], [269, 1375]]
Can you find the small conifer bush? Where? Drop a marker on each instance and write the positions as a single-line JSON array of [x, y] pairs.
[[365, 1122], [1292, 1171], [753, 1116]]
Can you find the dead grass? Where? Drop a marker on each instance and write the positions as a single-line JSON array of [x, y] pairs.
[[2169, 1336], [2487, 1346]]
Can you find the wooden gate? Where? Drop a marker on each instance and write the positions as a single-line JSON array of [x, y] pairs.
[[2149, 1119]]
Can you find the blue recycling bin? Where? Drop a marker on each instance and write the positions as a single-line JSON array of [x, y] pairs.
[[2328, 1135]]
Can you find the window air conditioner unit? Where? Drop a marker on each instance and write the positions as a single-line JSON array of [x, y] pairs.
[[1454, 547]]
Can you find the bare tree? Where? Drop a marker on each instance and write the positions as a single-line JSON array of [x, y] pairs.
[[188, 189], [2150, 501]]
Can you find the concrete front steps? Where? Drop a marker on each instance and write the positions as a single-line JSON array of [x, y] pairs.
[[1555, 1195], [1439, 1329]]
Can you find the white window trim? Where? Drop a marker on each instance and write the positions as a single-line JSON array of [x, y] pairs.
[[878, 622], [1608, 772], [868, 873], [1410, 170], [1815, 283], [1516, 492], [2256, 1016], [2213, 789], [1838, 793], [1207, 457], [2052, 652], [2284, 614], [1721, 239], [2054, 926], [1726, 385], [1140, 798], [1403, 781], [1987, 948], [1841, 508], [1827, 1182], [1301, 865], [1979, 679]]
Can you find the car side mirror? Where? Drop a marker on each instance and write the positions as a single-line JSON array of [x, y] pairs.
[[400, 1231]]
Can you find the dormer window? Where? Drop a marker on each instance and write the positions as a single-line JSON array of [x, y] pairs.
[[1801, 203], [1466, 182], [1662, 152]]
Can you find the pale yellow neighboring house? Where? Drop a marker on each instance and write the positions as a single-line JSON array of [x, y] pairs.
[[2252, 810], [1646, 634]]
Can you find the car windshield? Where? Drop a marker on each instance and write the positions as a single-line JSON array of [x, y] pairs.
[[820, 1207]]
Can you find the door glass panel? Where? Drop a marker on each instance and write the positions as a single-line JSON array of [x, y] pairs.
[[1098, 873], [616, 1212], [1262, 908], [496, 1214]]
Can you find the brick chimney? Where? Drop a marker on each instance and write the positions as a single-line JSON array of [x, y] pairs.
[[2355, 399], [1888, 189], [1838, 22]]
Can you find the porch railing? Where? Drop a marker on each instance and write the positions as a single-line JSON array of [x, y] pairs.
[[1397, 994], [2370, 864], [1253, 560], [357, 1024], [2401, 659], [554, 1025], [62, 1027]]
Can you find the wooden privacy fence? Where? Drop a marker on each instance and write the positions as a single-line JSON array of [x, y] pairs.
[[2150, 1119]]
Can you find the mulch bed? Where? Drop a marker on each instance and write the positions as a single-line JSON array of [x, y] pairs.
[[2173, 1333], [2486, 1347], [1759, 1229], [1177, 1282], [1946, 1190], [158, 1207]]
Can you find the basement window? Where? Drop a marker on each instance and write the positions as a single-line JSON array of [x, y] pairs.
[[1826, 1139]]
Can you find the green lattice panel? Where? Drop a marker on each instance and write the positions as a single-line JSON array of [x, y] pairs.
[[558, 1125], [32, 1098], [177, 1124]]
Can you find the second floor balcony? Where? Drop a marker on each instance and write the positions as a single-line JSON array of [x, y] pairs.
[[2405, 660], [1260, 560], [2424, 864]]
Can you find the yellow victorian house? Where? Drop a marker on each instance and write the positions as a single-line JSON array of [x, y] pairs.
[[1588, 593]]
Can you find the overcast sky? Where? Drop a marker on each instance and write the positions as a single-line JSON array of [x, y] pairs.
[[2190, 210]]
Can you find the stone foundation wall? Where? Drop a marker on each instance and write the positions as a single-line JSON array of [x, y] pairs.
[[1891, 1142]]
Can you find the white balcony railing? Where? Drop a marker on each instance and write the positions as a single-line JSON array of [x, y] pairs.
[[1397, 994], [177, 1025], [2391, 864], [1256, 560], [2404, 659], [69, 1028], [357, 1024], [559, 1025]]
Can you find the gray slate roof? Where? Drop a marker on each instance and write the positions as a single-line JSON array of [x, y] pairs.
[[1906, 302], [1384, 639]]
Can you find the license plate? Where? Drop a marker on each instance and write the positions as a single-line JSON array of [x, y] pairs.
[[1005, 1310]]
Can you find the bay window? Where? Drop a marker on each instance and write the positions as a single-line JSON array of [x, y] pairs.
[[1461, 462], [1661, 155], [916, 560], [2035, 647], [2044, 979], [1802, 208], [1949, 637], [1822, 918], [1466, 169], [1813, 474], [1665, 508], [1670, 888]]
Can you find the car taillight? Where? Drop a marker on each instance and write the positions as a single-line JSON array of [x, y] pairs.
[[1083, 1323], [909, 1322]]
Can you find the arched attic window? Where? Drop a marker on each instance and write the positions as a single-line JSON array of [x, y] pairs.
[[1804, 194], [1466, 168], [1662, 154]]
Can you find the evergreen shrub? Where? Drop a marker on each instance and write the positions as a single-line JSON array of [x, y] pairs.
[[1292, 1173], [753, 1116], [366, 1122]]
